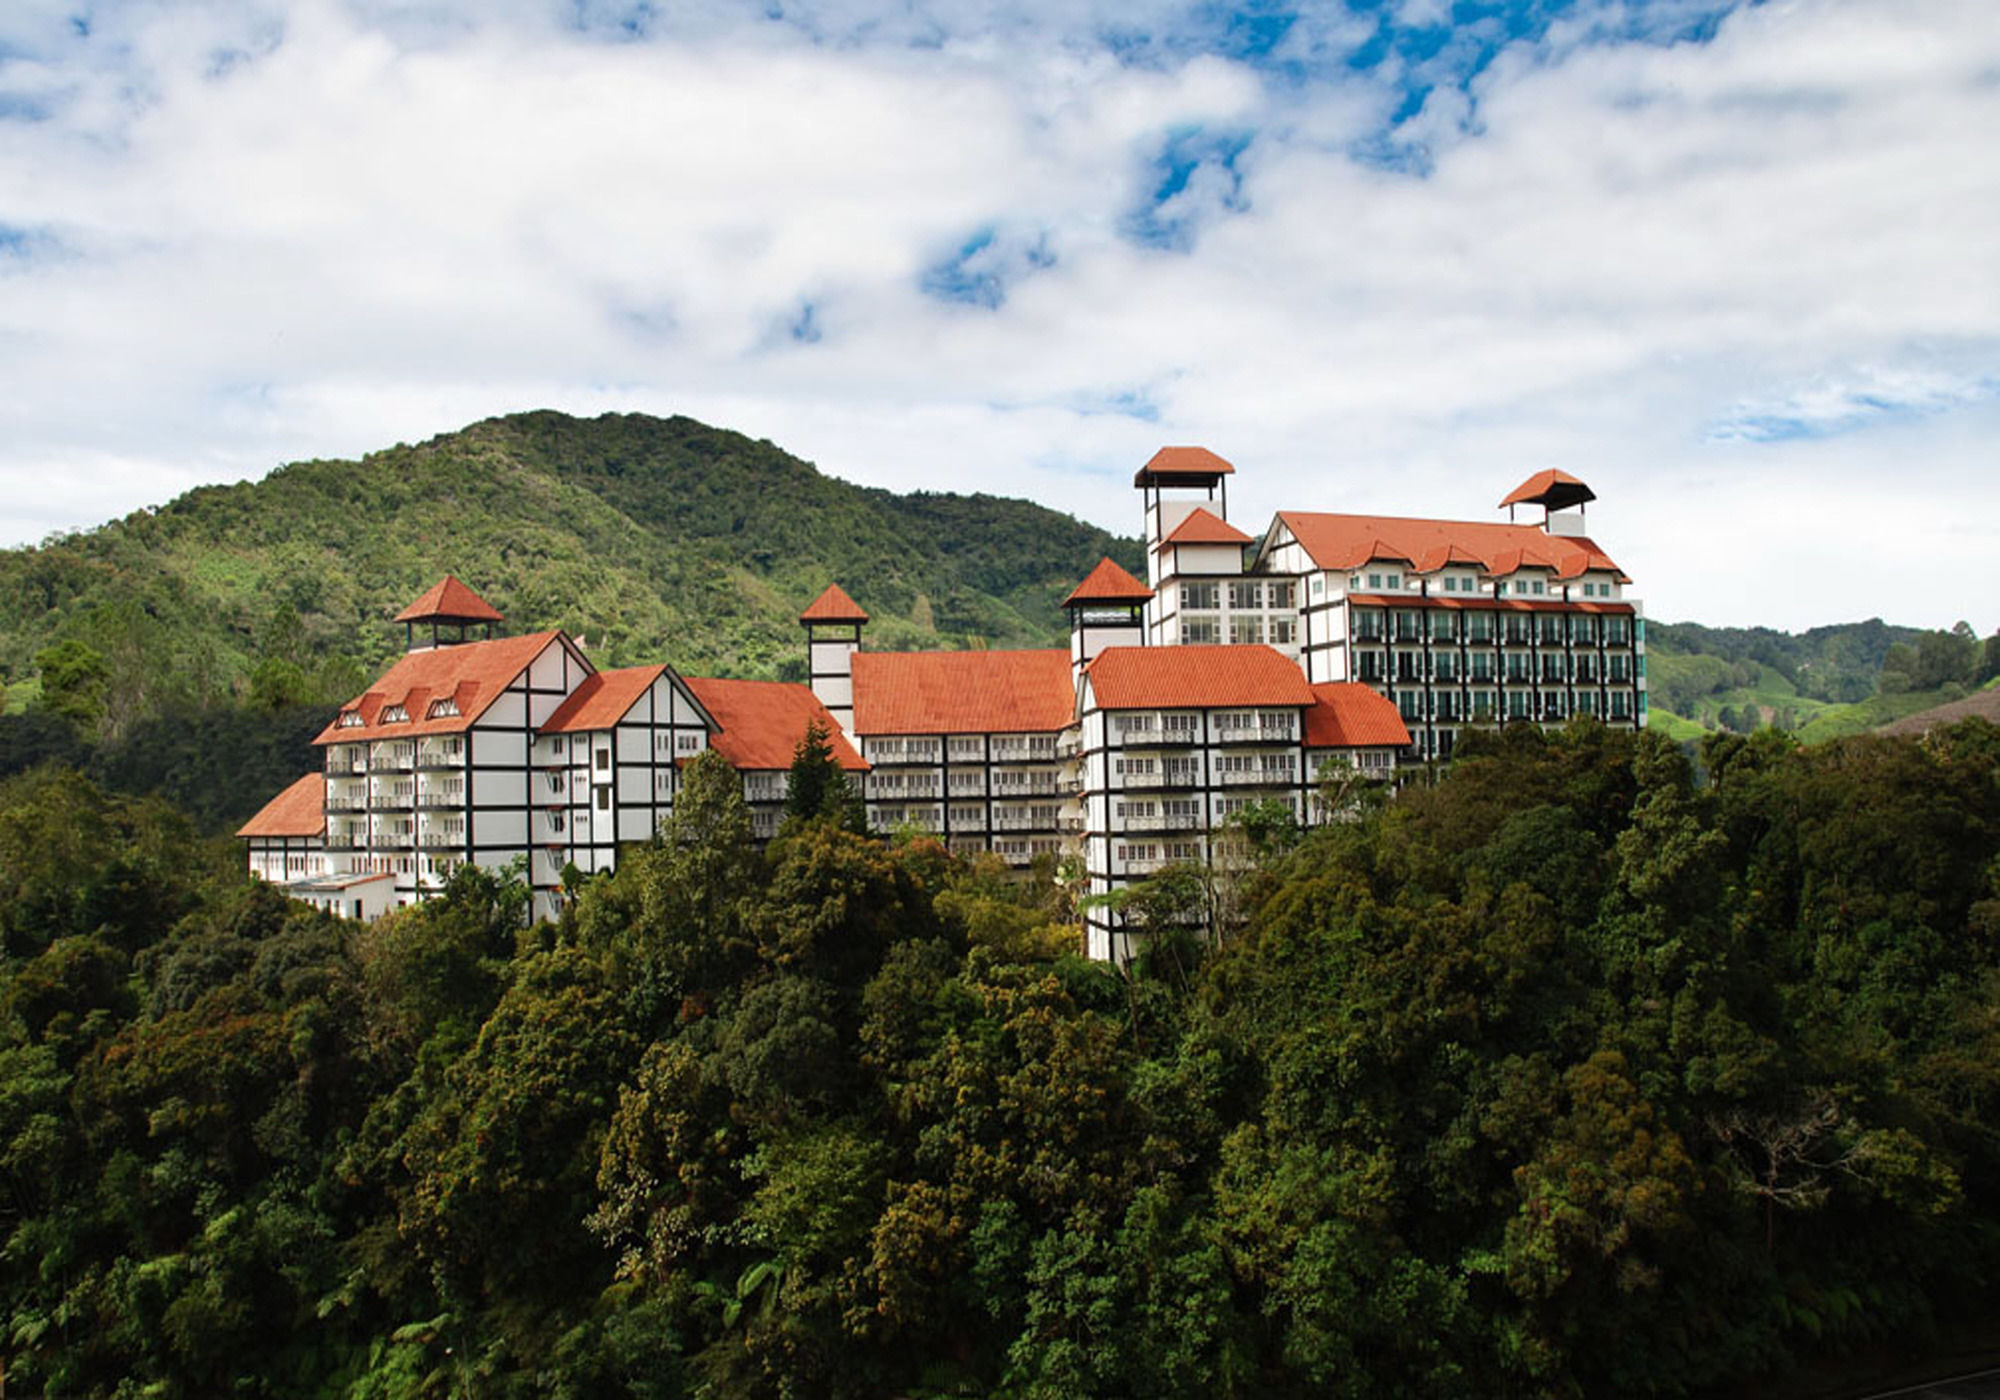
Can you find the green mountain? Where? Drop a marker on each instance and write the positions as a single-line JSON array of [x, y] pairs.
[[649, 538]]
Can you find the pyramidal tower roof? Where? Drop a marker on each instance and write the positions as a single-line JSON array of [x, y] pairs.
[[1107, 583], [833, 606], [448, 600]]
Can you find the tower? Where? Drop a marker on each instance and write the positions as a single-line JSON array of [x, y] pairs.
[[447, 610], [1106, 610], [1555, 492], [833, 623]]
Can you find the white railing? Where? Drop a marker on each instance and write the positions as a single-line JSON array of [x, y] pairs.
[[1259, 777]]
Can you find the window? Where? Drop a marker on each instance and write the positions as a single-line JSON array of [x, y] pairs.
[[395, 714], [604, 799], [1246, 629], [443, 709], [1201, 631], [556, 746], [1517, 704], [556, 782], [558, 821], [1279, 595], [1499, 590], [1282, 630], [1134, 724], [1245, 595], [1395, 580], [1540, 588], [1374, 580], [603, 760], [350, 719], [1319, 586], [1480, 625], [688, 743], [1197, 597], [1482, 665], [1368, 625]]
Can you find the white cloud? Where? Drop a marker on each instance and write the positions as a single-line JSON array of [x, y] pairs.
[[246, 234]]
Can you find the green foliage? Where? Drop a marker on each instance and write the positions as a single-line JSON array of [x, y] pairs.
[[1566, 1075]]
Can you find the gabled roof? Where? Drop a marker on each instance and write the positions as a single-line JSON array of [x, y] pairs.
[[300, 810], [1348, 715], [1182, 466], [962, 692], [1204, 527], [1343, 542], [1107, 583], [1551, 488], [602, 700], [471, 675], [763, 721], [1195, 677], [448, 600], [833, 606]]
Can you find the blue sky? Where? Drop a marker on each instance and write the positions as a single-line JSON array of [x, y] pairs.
[[1730, 263]]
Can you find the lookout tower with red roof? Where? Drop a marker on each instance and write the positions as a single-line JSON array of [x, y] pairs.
[[833, 623], [1108, 609], [1555, 492], [1175, 482], [445, 615]]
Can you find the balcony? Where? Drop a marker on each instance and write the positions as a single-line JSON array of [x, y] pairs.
[[1165, 821], [357, 803], [346, 842], [441, 758], [450, 797], [1020, 823], [967, 787], [1259, 777], [346, 767], [976, 822], [390, 841], [1257, 734], [441, 840]]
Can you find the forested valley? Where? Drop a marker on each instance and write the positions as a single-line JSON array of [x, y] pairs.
[[1585, 1071]]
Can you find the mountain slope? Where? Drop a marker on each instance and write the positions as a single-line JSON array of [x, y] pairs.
[[650, 538]]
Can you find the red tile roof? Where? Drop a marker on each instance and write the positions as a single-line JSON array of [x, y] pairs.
[[1195, 677], [472, 675], [1108, 583], [1347, 715], [450, 601], [763, 721], [300, 810], [1552, 488], [833, 606], [962, 692], [1204, 527], [1182, 466], [602, 700], [1343, 542]]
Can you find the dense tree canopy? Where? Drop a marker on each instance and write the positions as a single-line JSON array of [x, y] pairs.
[[1577, 1073]]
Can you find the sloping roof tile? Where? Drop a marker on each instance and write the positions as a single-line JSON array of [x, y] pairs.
[[1195, 677], [1348, 715], [473, 674], [602, 700], [962, 692], [449, 600], [1204, 527], [1171, 465], [1342, 542], [300, 810], [763, 721], [1551, 488], [1108, 583], [833, 605]]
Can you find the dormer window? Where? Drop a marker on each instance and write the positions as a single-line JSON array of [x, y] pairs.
[[350, 719], [394, 714], [446, 708]]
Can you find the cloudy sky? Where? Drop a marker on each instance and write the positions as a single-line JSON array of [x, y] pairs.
[[1737, 266]]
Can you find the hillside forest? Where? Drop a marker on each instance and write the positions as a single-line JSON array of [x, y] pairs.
[[1582, 1072]]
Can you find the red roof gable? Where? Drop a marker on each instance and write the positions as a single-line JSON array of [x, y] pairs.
[[602, 700], [1195, 677], [763, 721], [448, 600], [1347, 715], [1108, 583], [1204, 527], [1182, 466], [471, 675], [300, 810], [962, 692], [833, 606], [1344, 542], [1551, 488]]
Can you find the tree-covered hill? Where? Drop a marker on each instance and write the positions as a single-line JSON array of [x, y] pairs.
[[650, 538]]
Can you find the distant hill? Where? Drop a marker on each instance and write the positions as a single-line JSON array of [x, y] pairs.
[[650, 538], [1982, 704]]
